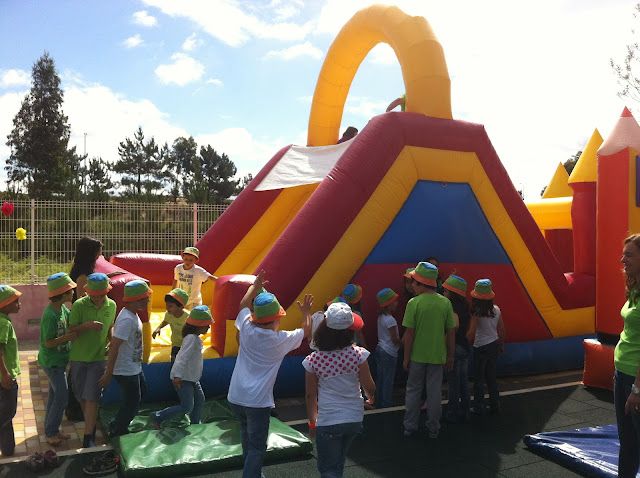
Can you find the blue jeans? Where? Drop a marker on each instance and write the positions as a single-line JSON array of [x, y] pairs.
[[254, 430], [332, 444], [191, 401], [132, 388], [57, 401], [485, 359], [458, 380], [628, 427], [386, 370]]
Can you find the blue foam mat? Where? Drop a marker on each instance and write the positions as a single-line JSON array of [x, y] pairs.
[[591, 451]]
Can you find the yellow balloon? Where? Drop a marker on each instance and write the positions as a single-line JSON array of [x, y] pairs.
[[21, 234]]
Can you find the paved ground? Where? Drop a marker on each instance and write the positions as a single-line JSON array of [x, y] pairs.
[[485, 447]]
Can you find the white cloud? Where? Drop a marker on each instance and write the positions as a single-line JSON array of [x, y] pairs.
[[365, 107], [182, 71], [191, 43], [295, 51], [144, 19], [226, 21], [133, 41], [14, 77], [382, 54], [214, 82]]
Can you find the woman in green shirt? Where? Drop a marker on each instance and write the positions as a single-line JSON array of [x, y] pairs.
[[53, 355], [627, 361]]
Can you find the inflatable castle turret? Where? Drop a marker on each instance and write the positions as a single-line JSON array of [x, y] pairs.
[[618, 216]]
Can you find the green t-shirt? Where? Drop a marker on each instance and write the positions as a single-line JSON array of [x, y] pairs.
[[431, 315], [90, 345], [176, 324], [627, 353], [54, 324], [9, 342]]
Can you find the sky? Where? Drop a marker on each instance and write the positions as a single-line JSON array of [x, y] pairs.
[[240, 75]]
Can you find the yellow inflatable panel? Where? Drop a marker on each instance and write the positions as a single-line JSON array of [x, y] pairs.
[[552, 213], [586, 169], [559, 185]]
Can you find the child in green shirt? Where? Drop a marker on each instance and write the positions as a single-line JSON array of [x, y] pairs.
[[9, 368], [53, 356], [175, 317]]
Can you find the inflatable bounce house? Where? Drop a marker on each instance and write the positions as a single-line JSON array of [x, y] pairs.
[[411, 185]]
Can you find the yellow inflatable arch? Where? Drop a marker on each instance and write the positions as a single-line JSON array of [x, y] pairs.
[[424, 69]]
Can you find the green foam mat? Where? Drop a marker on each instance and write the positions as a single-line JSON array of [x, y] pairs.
[[179, 448]]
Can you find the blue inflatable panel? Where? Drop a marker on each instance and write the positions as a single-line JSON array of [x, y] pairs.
[[591, 452], [439, 219], [542, 356], [216, 376]]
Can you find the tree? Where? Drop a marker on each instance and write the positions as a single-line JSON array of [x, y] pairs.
[[627, 72], [179, 162], [141, 166], [211, 176], [244, 182], [570, 163], [99, 183], [40, 159]]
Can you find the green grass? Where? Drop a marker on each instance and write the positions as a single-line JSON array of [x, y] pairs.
[[19, 272]]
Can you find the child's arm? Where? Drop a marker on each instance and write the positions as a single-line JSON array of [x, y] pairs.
[[501, 334], [258, 283], [395, 338], [114, 347], [305, 308], [5, 378], [471, 333], [409, 335], [311, 399], [68, 337], [174, 284], [366, 380], [158, 329]]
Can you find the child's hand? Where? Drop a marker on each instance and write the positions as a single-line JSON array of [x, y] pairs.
[[177, 382], [94, 325], [260, 281], [306, 305], [71, 335]]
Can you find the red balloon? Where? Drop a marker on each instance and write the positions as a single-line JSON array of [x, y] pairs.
[[7, 208]]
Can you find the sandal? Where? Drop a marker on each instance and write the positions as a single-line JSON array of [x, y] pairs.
[[35, 462], [51, 459], [103, 464], [54, 440]]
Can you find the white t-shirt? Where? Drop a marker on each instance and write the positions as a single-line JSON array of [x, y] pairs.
[[188, 364], [259, 358], [129, 329], [316, 319], [339, 397], [191, 281], [386, 322], [487, 329]]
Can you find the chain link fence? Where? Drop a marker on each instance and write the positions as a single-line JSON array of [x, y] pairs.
[[54, 227]]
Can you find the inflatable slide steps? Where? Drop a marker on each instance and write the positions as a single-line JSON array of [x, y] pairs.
[[179, 448]]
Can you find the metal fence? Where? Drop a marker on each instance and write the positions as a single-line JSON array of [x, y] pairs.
[[54, 227]]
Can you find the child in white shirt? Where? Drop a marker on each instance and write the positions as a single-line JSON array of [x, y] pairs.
[[262, 348], [189, 276], [187, 370], [388, 346]]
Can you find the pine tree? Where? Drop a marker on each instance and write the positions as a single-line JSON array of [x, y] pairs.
[[141, 166], [179, 162], [99, 182], [40, 158], [211, 177]]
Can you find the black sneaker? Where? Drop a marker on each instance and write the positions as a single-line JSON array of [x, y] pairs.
[[103, 464]]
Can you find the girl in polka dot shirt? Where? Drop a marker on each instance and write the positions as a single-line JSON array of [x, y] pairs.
[[334, 375]]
